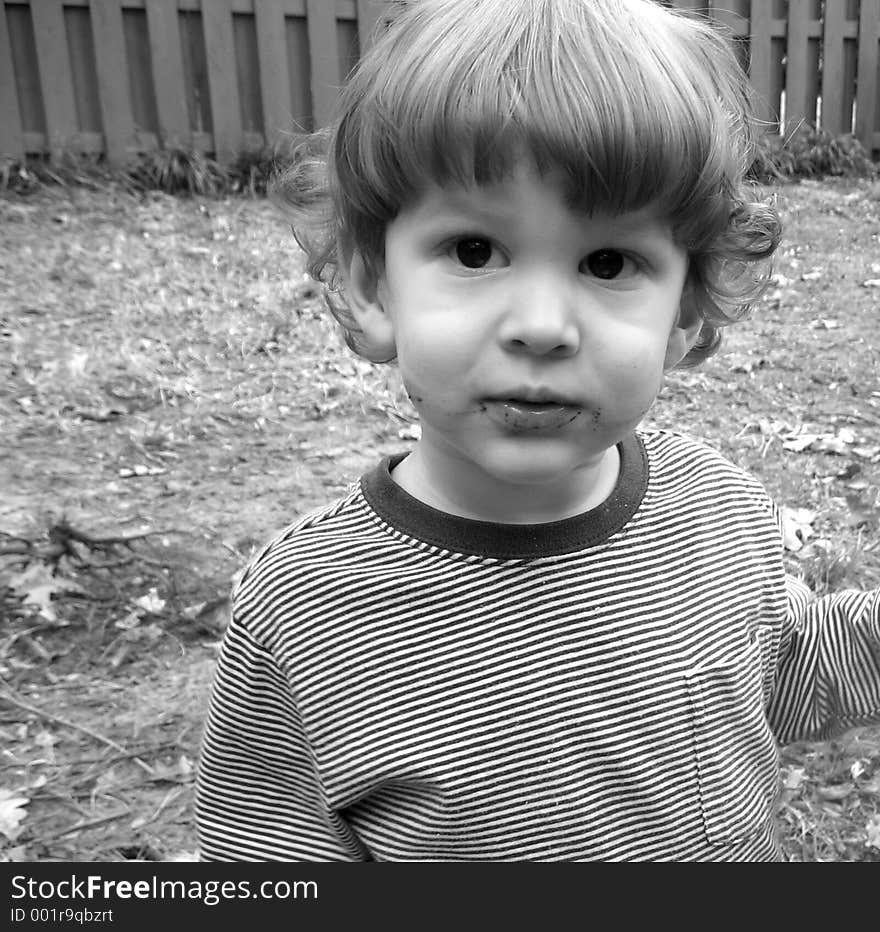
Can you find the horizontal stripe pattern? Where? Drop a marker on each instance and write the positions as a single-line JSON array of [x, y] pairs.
[[380, 696]]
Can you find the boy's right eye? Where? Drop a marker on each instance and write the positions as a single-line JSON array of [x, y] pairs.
[[473, 252]]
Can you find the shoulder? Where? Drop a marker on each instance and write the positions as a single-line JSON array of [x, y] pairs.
[[673, 451], [680, 464], [317, 547]]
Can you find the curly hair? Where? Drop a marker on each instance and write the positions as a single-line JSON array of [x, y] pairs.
[[633, 104]]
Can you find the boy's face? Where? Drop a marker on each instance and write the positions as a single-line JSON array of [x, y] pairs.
[[531, 339]]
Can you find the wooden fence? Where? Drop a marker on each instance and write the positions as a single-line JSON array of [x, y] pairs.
[[220, 76]]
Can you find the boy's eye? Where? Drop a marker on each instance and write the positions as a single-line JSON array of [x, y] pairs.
[[473, 253], [607, 263]]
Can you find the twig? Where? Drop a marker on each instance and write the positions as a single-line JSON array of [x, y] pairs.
[[65, 531], [49, 794], [80, 828], [8, 697], [106, 761]]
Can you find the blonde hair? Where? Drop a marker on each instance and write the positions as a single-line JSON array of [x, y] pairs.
[[632, 103]]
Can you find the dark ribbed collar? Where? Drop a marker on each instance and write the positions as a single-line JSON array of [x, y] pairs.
[[509, 541]]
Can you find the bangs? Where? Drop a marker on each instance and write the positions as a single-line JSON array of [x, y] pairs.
[[597, 92]]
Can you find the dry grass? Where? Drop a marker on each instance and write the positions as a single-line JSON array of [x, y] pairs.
[[173, 375]]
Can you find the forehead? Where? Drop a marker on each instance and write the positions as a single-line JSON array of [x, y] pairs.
[[521, 196]]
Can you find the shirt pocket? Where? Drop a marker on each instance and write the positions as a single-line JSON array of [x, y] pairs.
[[736, 753]]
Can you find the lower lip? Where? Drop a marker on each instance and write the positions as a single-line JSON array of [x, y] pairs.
[[525, 416]]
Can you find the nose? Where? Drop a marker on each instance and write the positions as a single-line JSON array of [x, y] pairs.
[[540, 318]]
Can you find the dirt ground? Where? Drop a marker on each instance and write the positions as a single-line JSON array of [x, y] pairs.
[[174, 394]]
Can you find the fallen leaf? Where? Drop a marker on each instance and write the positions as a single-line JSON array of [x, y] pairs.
[[857, 769], [47, 742], [151, 602], [824, 323], [184, 856], [835, 793], [36, 585], [15, 855], [131, 620], [139, 471], [872, 832], [794, 778], [796, 526], [838, 443], [800, 443], [11, 812]]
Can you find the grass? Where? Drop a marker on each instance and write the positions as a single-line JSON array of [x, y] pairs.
[[176, 393]]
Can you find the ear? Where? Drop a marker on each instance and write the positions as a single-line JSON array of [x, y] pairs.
[[683, 336], [363, 295]]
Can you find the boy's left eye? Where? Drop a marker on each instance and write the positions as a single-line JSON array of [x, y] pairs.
[[608, 264], [476, 252]]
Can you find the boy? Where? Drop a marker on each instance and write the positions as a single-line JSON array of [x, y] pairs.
[[543, 634]]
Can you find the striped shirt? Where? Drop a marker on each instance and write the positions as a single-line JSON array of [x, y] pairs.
[[399, 684]]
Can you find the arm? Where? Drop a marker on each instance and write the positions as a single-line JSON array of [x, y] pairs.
[[829, 670], [258, 797]]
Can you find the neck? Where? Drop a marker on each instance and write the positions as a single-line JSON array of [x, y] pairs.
[[444, 484]]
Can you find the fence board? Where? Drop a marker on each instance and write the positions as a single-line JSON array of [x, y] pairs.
[[247, 69], [733, 14], [144, 114], [833, 118], [347, 45], [868, 75], [225, 101], [796, 109], [760, 63], [167, 58], [81, 50], [368, 14], [114, 91], [11, 135], [274, 70], [56, 78], [296, 37], [324, 55]]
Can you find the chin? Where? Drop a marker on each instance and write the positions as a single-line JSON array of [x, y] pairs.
[[543, 465]]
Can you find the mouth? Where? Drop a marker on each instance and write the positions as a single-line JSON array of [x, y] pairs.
[[537, 398], [532, 412]]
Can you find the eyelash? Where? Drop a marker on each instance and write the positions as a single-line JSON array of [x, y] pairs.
[[455, 245]]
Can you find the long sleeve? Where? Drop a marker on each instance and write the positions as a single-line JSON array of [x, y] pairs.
[[258, 797], [829, 670]]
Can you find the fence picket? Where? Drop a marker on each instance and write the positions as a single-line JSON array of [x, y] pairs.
[[56, 79], [323, 45], [760, 67], [732, 14], [274, 70], [833, 118], [368, 14], [225, 101], [867, 128], [167, 58], [114, 92], [11, 133], [796, 106]]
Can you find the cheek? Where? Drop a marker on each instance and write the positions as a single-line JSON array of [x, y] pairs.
[[630, 385], [434, 353], [641, 363]]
